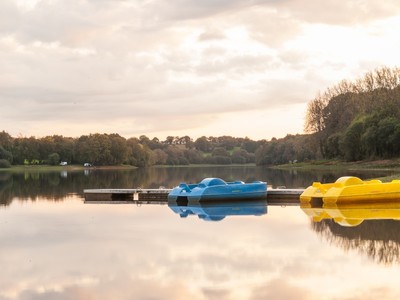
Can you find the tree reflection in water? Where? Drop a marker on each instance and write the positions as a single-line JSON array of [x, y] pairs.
[[378, 239]]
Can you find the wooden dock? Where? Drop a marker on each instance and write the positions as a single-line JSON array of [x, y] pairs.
[[274, 196], [126, 194], [284, 197]]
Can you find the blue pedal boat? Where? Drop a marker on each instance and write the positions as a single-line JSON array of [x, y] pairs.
[[211, 189]]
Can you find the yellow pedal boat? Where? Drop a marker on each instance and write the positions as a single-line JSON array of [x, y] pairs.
[[352, 189]]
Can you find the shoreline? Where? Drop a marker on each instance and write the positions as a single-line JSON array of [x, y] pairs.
[[384, 165], [391, 165], [372, 165], [48, 168]]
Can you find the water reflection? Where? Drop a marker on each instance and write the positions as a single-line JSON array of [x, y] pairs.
[[217, 211], [353, 214], [370, 228], [71, 250], [56, 186]]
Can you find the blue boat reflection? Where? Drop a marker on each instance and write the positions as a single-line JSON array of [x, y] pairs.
[[217, 211]]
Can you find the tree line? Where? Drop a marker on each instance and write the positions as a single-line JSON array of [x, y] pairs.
[[113, 149], [358, 120]]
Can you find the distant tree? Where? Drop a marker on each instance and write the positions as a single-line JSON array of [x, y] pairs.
[[249, 145], [119, 149], [144, 140], [227, 142], [352, 141], [176, 156], [159, 157], [155, 144], [82, 150], [267, 153], [25, 149], [169, 140], [4, 163], [65, 147], [6, 141], [194, 156], [239, 157], [220, 151], [7, 155], [53, 159], [138, 155], [315, 115], [202, 144], [386, 136], [333, 146]]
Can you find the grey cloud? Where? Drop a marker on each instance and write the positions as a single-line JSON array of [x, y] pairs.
[[239, 65], [211, 34], [338, 12], [192, 9], [74, 22], [270, 25], [9, 16]]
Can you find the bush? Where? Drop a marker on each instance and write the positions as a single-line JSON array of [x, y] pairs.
[[4, 154], [4, 163], [53, 159]]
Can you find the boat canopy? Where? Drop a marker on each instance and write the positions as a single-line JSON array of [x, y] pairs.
[[211, 181]]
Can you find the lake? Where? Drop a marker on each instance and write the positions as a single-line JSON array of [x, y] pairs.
[[56, 246]]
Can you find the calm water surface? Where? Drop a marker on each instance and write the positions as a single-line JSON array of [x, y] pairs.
[[54, 246]]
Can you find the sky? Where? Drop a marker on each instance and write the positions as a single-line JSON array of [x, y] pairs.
[[243, 68]]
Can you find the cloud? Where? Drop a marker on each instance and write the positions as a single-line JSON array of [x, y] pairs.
[[211, 34], [9, 17], [122, 287], [281, 289], [131, 64], [339, 13]]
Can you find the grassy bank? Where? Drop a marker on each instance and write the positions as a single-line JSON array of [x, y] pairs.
[[48, 168], [385, 165], [334, 164]]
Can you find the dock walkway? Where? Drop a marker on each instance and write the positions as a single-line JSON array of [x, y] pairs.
[[159, 195]]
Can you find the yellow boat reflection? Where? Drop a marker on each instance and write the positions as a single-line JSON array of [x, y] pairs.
[[352, 214], [352, 189]]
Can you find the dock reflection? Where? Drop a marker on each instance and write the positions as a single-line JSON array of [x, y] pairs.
[[217, 211]]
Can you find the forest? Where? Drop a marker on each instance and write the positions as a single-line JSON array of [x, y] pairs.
[[113, 149], [352, 121]]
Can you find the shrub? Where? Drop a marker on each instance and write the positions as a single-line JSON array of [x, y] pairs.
[[4, 163], [53, 159]]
